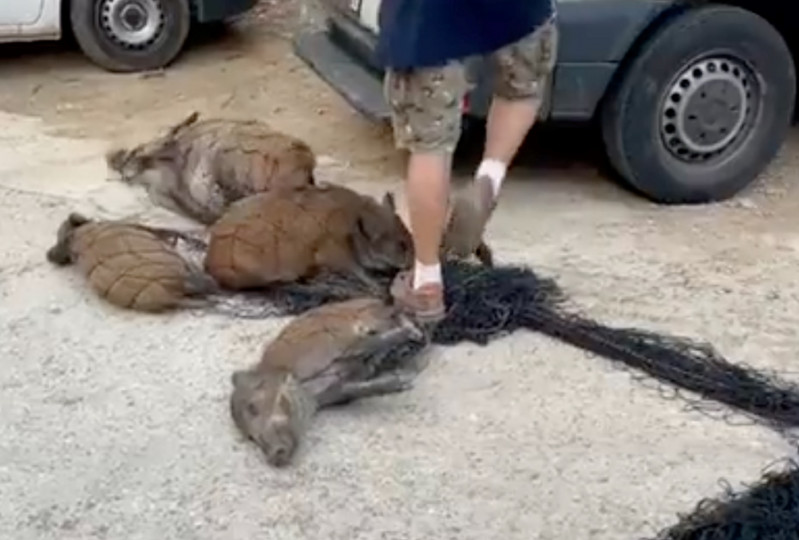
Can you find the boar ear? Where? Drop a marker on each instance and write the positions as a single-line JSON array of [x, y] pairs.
[[284, 399], [76, 219], [361, 239], [59, 254], [186, 122], [241, 377], [367, 224], [115, 158], [388, 201], [362, 227]]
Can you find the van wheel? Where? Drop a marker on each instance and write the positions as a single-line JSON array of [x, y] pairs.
[[131, 35], [703, 108]]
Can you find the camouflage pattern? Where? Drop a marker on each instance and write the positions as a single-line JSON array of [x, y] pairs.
[[523, 67], [426, 103], [426, 107]]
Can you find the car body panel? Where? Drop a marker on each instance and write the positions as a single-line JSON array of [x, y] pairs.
[[218, 10], [30, 20], [602, 31], [370, 12], [595, 35], [20, 13], [34, 20]]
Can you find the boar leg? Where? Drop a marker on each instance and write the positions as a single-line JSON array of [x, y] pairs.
[[387, 383], [160, 194], [167, 193], [163, 196], [327, 284], [198, 283], [371, 285], [484, 254], [387, 343], [389, 362], [339, 284], [171, 236]]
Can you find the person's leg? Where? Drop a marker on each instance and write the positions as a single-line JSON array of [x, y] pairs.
[[426, 116], [427, 190], [522, 70]]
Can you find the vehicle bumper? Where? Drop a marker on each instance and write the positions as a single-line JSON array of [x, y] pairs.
[[218, 10], [343, 56], [356, 83], [594, 38]]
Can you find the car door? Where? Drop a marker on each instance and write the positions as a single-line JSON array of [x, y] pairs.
[[19, 13], [367, 11]]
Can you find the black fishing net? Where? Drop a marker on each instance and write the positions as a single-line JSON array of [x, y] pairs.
[[486, 303], [285, 299], [768, 510]]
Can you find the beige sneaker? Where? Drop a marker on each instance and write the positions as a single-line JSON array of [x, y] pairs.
[[470, 212], [425, 304]]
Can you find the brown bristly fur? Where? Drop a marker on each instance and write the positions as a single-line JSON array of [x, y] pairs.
[[199, 167], [329, 355], [284, 237], [131, 266]]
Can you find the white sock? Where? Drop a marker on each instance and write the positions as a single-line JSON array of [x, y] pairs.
[[495, 170], [426, 273]]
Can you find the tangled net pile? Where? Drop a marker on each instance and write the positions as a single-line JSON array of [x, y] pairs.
[[768, 510], [487, 303]]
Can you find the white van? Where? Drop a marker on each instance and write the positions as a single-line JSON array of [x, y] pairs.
[[118, 35], [692, 99]]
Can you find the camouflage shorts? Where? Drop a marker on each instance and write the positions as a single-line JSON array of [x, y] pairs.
[[426, 103]]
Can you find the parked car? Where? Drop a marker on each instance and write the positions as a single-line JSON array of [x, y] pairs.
[[118, 35], [693, 99]]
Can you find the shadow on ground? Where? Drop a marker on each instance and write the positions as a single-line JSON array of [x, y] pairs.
[[66, 52], [571, 154]]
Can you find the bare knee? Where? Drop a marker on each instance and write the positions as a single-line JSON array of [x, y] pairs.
[[524, 68]]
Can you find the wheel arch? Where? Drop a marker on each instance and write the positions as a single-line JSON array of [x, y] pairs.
[[771, 10], [65, 5], [629, 120], [63, 16], [780, 16], [641, 39]]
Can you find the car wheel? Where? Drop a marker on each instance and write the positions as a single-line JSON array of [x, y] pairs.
[[703, 107], [131, 35]]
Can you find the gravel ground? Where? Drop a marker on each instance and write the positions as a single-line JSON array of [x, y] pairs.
[[115, 425]]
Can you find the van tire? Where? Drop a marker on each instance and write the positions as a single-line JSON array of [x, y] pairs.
[[656, 144], [103, 40]]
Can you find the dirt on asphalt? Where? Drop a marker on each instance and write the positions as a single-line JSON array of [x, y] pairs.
[[115, 425], [246, 71]]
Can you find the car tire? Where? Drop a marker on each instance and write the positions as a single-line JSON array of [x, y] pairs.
[[702, 108], [131, 35]]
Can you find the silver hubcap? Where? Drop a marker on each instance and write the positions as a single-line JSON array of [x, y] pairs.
[[134, 24], [706, 108]]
